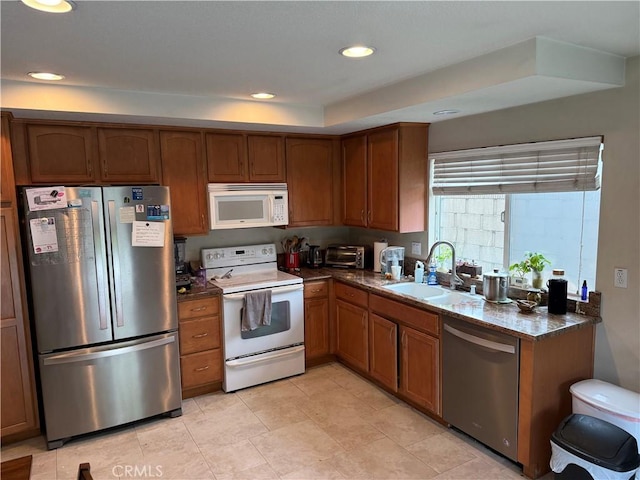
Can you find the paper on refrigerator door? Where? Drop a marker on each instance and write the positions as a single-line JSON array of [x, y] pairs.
[[43, 235], [46, 198], [147, 234]]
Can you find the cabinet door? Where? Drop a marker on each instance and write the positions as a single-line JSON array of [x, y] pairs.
[[352, 336], [7, 182], [183, 171], [420, 370], [60, 154], [128, 155], [226, 157], [354, 178], [17, 391], [310, 181], [266, 158], [316, 327], [383, 351], [382, 172]]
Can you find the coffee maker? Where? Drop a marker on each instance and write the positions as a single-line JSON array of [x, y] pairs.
[[314, 256], [183, 278], [392, 256]]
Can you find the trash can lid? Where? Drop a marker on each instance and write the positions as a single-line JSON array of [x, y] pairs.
[[598, 442], [609, 397]]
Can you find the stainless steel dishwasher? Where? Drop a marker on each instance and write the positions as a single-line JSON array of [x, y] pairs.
[[480, 384]]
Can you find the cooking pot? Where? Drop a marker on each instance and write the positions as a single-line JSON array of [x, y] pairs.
[[496, 286]]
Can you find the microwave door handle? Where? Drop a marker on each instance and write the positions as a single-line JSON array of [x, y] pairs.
[[271, 208]]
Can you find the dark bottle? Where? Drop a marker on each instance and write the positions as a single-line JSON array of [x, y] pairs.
[[557, 293], [585, 290]]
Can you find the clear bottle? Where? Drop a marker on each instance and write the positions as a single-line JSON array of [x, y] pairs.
[[432, 278]]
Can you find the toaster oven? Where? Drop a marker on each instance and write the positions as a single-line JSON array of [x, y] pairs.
[[345, 256]]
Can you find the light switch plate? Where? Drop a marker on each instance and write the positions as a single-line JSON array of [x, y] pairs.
[[416, 248], [620, 277]]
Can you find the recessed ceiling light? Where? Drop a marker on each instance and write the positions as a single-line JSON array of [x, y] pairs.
[[51, 6], [263, 95], [446, 112], [357, 51], [46, 75]]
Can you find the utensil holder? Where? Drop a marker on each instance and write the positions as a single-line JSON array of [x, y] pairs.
[[292, 260]]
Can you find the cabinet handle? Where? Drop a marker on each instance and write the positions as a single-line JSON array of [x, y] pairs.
[[369, 216], [317, 290], [202, 220], [362, 215], [201, 369], [201, 335], [391, 335], [402, 339], [199, 309]]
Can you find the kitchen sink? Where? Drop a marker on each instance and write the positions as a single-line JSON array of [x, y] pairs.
[[421, 291]]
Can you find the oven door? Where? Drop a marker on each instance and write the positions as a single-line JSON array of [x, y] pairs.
[[286, 329]]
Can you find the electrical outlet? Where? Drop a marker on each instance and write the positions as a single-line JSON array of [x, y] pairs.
[[416, 248], [620, 277]]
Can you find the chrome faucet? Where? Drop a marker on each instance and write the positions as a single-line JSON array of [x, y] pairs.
[[455, 279]]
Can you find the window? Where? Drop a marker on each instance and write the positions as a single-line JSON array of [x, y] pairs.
[[497, 204]]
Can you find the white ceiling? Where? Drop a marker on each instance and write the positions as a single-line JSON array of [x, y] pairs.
[[195, 63]]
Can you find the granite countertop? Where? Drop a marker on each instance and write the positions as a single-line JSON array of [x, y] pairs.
[[506, 318]]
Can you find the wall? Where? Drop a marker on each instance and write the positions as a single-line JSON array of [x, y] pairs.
[[614, 113]]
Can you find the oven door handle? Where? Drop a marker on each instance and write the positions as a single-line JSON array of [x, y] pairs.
[[241, 362], [274, 291]]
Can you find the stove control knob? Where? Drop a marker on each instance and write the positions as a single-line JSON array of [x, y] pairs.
[[209, 256], [217, 255], [264, 251], [270, 250]]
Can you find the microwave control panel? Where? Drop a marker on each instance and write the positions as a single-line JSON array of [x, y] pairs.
[[280, 214]]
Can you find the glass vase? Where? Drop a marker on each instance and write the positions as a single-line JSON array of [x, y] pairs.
[[536, 279]]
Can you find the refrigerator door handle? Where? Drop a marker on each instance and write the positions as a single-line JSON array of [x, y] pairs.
[[101, 279], [82, 357], [115, 264]]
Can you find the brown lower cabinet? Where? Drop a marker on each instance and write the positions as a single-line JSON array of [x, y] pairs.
[[383, 351], [352, 326], [200, 346], [419, 368], [316, 322]]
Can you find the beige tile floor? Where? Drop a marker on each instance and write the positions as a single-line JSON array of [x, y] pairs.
[[326, 424]]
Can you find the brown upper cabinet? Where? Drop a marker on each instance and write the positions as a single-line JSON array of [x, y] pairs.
[[183, 171], [237, 157], [70, 153], [128, 155], [385, 178], [59, 153], [310, 181], [7, 183]]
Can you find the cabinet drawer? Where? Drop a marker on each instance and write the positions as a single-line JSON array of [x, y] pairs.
[[351, 294], [414, 317], [199, 334], [201, 368], [198, 308], [316, 289]]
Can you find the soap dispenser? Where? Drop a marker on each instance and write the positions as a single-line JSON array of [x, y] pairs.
[[418, 272]]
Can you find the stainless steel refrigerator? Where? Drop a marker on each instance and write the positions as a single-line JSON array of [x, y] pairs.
[[102, 276]]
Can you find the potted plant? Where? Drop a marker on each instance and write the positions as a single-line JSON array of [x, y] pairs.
[[442, 256], [533, 262]]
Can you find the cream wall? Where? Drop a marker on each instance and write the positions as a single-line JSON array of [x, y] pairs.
[[614, 113]]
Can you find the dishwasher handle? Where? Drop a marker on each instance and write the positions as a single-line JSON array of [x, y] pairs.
[[483, 342]]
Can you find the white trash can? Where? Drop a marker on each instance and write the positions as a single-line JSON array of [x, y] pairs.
[[608, 402]]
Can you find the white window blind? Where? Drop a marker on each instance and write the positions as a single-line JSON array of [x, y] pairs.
[[554, 166]]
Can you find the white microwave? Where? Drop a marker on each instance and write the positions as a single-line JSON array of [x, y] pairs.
[[245, 205]]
